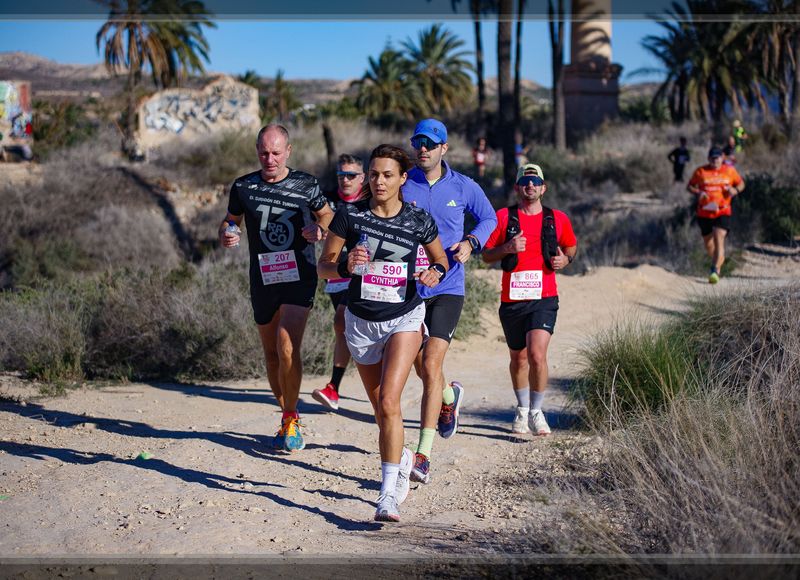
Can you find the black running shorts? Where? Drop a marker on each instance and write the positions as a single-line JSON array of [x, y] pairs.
[[441, 315], [708, 224], [519, 318], [266, 300]]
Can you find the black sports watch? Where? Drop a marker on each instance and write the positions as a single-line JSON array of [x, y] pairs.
[[439, 269], [473, 242]]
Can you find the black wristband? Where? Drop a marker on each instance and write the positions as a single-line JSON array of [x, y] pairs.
[[341, 269], [570, 258], [439, 269], [474, 243]]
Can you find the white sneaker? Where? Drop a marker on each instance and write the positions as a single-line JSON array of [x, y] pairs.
[[538, 423], [403, 483], [520, 424], [387, 509]]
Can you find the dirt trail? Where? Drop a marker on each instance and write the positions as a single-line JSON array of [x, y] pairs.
[[71, 483]]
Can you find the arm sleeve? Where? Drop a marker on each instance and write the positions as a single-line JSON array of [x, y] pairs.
[[498, 235], [339, 224], [483, 212], [234, 203], [316, 200]]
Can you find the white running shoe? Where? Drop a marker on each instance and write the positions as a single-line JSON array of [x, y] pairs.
[[520, 424], [387, 509], [403, 483], [538, 423]]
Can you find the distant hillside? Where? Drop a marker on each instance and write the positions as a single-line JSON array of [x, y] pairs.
[[54, 80], [51, 79]]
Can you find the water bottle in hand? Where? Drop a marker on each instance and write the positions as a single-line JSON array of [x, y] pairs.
[[363, 242], [233, 229]]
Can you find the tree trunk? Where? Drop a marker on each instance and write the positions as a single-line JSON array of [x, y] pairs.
[[330, 149], [556, 24], [794, 131], [518, 67], [506, 97], [683, 106], [480, 115], [128, 137]]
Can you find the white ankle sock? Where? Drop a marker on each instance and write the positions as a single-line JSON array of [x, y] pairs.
[[536, 400], [389, 473]]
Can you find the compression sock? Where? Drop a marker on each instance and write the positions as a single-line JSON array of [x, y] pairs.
[[425, 445], [389, 473], [336, 377], [448, 395], [536, 400], [523, 397]]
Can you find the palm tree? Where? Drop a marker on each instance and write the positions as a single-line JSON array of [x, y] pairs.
[[475, 8], [388, 91], [440, 68], [709, 64], [164, 37], [778, 41], [556, 26], [505, 90], [281, 99], [250, 77], [518, 65]]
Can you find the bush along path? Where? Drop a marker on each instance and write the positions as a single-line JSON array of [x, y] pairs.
[[169, 468]]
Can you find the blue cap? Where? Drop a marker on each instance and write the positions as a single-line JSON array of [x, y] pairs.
[[433, 129]]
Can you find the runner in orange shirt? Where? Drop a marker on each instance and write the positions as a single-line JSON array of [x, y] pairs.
[[715, 185]]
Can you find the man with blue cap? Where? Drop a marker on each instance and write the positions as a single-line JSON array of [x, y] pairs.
[[447, 195]]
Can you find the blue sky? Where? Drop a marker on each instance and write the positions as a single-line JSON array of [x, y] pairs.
[[325, 49]]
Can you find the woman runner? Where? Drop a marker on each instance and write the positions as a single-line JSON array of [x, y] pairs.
[[384, 321]]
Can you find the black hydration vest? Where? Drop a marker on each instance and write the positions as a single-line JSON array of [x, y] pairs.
[[549, 237]]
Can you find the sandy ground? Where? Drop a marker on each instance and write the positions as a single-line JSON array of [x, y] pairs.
[[71, 482]]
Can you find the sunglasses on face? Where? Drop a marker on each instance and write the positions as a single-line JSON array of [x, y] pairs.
[[420, 142], [526, 179], [347, 174]]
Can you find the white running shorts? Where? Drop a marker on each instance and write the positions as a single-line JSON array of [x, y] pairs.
[[366, 339]]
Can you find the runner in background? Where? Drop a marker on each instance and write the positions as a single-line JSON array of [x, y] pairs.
[[350, 179], [541, 242], [679, 157], [715, 185], [385, 317], [277, 204], [480, 156]]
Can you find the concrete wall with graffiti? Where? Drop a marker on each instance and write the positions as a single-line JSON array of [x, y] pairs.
[[16, 113], [224, 104]]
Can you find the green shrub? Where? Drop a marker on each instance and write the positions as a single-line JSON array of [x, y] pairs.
[[766, 211], [634, 369], [60, 125], [479, 294]]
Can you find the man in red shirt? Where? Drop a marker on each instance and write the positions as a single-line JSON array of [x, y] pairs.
[[538, 242], [715, 185]]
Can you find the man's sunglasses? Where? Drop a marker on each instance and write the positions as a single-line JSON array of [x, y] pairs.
[[526, 179], [420, 142], [347, 174]]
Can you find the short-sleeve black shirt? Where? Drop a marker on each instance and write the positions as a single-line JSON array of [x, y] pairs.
[[275, 214], [394, 239]]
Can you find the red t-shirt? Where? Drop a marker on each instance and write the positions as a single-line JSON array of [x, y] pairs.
[[531, 262], [714, 201]]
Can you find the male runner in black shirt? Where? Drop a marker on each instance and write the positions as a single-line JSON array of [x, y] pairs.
[[277, 204]]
